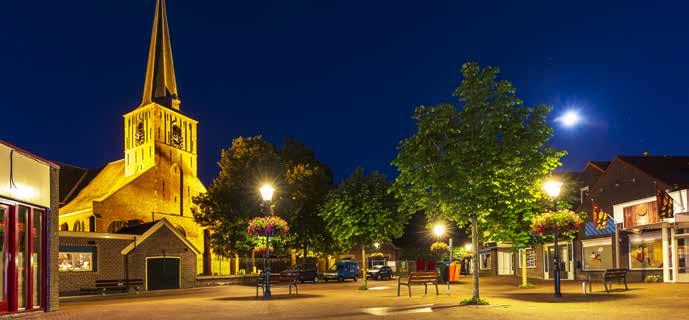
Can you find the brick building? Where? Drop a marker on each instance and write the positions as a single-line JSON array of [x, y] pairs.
[[157, 177], [155, 252], [28, 201]]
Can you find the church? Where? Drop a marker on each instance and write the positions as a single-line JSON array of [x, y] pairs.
[[157, 177]]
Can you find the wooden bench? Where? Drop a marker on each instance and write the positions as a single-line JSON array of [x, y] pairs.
[[610, 275], [419, 278], [278, 280], [104, 286]]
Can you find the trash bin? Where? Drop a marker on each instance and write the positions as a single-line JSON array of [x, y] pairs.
[[443, 271]]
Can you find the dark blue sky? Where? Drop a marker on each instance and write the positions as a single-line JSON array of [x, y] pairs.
[[344, 77]]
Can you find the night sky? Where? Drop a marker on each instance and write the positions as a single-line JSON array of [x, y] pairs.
[[344, 77]]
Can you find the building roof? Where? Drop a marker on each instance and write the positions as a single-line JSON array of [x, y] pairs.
[[671, 170], [138, 229], [73, 179], [160, 85], [105, 182], [601, 165], [150, 229]]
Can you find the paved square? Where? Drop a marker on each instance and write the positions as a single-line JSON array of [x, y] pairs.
[[345, 301]]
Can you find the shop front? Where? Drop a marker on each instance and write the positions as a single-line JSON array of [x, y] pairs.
[[655, 245], [27, 197]]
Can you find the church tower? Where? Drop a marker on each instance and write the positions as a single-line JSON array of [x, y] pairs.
[[157, 130]]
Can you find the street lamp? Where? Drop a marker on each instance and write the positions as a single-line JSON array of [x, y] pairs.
[[267, 194], [439, 230], [552, 189]]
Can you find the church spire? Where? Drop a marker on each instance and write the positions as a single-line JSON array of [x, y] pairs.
[[160, 86]]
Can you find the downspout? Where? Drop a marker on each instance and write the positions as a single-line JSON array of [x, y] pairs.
[[126, 262]]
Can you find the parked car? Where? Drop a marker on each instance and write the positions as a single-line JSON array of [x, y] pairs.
[[303, 273], [380, 272], [341, 271]]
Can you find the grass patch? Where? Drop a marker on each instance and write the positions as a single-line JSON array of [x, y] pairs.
[[527, 286], [474, 302]]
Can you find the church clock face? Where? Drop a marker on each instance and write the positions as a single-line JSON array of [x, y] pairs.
[[177, 140], [140, 133]]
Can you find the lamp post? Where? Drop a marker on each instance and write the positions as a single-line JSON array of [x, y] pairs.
[[267, 194], [552, 189], [439, 231]]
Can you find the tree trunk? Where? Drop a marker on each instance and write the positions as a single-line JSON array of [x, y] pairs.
[[306, 250], [363, 265], [475, 254], [525, 281]]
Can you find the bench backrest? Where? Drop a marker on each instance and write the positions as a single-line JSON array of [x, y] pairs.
[[611, 273], [119, 283], [423, 276]]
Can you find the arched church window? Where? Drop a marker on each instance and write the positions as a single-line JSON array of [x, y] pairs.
[[64, 227], [116, 226], [177, 139], [78, 226], [140, 135]]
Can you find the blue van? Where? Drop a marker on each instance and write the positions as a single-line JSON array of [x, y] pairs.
[[342, 270]]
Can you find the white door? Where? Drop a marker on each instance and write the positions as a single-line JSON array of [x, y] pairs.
[[505, 261]]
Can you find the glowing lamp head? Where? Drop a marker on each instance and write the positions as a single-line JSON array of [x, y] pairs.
[[376, 245], [439, 230], [467, 247], [552, 188], [267, 192], [570, 118]]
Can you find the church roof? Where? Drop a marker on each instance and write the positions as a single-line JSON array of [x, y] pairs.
[[138, 229], [104, 183], [73, 179], [161, 84]]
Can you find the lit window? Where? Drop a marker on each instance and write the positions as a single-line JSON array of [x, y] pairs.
[[485, 260], [530, 259], [597, 254], [77, 258], [646, 252]]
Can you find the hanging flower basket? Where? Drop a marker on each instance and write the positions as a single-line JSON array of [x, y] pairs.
[[440, 248], [261, 250], [556, 222], [267, 226]]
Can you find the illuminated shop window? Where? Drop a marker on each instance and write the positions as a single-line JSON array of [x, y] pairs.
[[77, 259], [530, 259], [597, 254], [646, 252]]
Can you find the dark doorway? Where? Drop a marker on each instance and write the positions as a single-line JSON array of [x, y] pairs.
[[162, 273]]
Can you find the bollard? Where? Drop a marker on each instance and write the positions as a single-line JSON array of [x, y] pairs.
[[583, 287]]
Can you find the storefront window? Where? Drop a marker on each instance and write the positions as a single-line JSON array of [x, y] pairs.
[[485, 260], [76, 259], [530, 259], [646, 252], [597, 254], [22, 270]]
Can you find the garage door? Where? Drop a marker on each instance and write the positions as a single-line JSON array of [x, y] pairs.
[[162, 273]]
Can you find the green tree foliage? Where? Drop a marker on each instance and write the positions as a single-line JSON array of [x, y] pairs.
[[306, 183], [233, 199], [301, 183], [361, 211], [481, 163]]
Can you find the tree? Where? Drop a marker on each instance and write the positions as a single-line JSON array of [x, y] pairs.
[[481, 165], [232, 199], [361, 211], [306, 183]]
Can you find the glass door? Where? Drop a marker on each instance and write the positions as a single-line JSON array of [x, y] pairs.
[[4, 214], [565, 260], [682, 259], [21, 256]]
